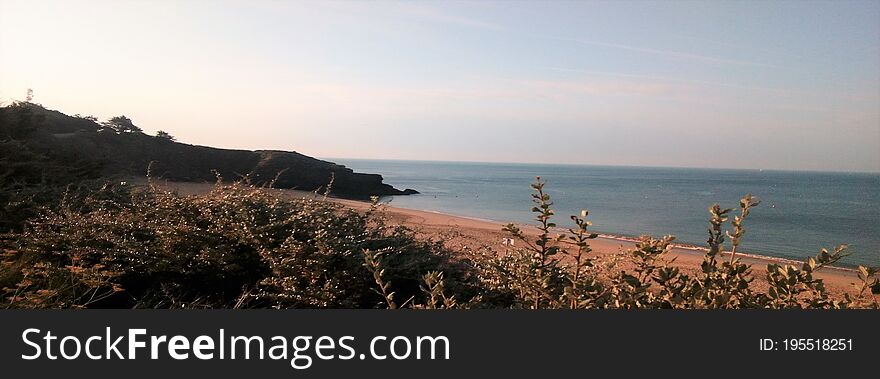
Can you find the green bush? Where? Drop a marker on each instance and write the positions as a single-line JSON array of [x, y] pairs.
[[534, 276]]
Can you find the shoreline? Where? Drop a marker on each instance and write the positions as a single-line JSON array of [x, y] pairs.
[[610, 237], [626, 238], [462, 233]]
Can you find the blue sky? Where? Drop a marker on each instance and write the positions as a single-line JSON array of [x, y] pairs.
[[786, 85]]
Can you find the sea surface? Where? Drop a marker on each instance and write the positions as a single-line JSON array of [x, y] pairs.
[[800, 212]]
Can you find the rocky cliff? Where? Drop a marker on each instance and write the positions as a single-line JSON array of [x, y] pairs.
[[130, 153]]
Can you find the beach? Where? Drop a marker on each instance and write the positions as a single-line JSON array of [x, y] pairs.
[[632, 201], [469, 234], [473, 235]]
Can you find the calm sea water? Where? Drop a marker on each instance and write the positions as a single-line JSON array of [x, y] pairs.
[[800, 212]]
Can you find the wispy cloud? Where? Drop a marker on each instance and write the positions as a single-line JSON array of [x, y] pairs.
[[701, 92], [435, 14], [671, 79], [668, 53], [730, 45], [560, 89], [409, 11]]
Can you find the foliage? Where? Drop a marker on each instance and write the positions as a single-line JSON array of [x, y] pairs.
[[245, 247], [654, 282], [165, 135], [32, 175], [543, 266], [121, 124], [237, 246], [87, 118]]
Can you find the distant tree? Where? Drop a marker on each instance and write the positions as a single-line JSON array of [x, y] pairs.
[[122, 124], [30, 95], [164, 135], [17, 121], [89, 117]]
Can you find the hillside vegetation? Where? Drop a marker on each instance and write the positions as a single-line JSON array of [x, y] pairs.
[[44, 147]]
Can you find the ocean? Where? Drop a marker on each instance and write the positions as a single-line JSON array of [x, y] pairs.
[[800, 212]]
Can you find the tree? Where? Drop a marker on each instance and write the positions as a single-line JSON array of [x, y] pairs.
[[164, 135], [88, 118], [122, 124]]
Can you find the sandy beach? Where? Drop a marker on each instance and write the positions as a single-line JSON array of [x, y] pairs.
[[467, 234], [463, 233]]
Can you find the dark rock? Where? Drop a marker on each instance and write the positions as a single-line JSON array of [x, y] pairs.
[[129, 154]]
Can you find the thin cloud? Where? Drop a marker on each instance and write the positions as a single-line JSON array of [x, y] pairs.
[[671, 79], [437, 15], [738, 46], [411, 11], [669, 53], [434, 14]]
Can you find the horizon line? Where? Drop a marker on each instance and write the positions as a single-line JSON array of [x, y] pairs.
[[331, 159], [327, 158]]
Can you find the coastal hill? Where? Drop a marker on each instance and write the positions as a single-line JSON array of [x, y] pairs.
[[84, 147]]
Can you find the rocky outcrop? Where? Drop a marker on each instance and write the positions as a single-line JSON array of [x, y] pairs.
[[130, 154]]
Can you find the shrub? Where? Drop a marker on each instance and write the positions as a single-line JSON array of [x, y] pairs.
[[237, 246], [34, 175], [240, 246], [534, 278]]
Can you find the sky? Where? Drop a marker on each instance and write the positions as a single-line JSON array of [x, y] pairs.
[[760, 85]]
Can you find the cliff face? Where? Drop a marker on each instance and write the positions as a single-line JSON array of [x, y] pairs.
[[129, 154]]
